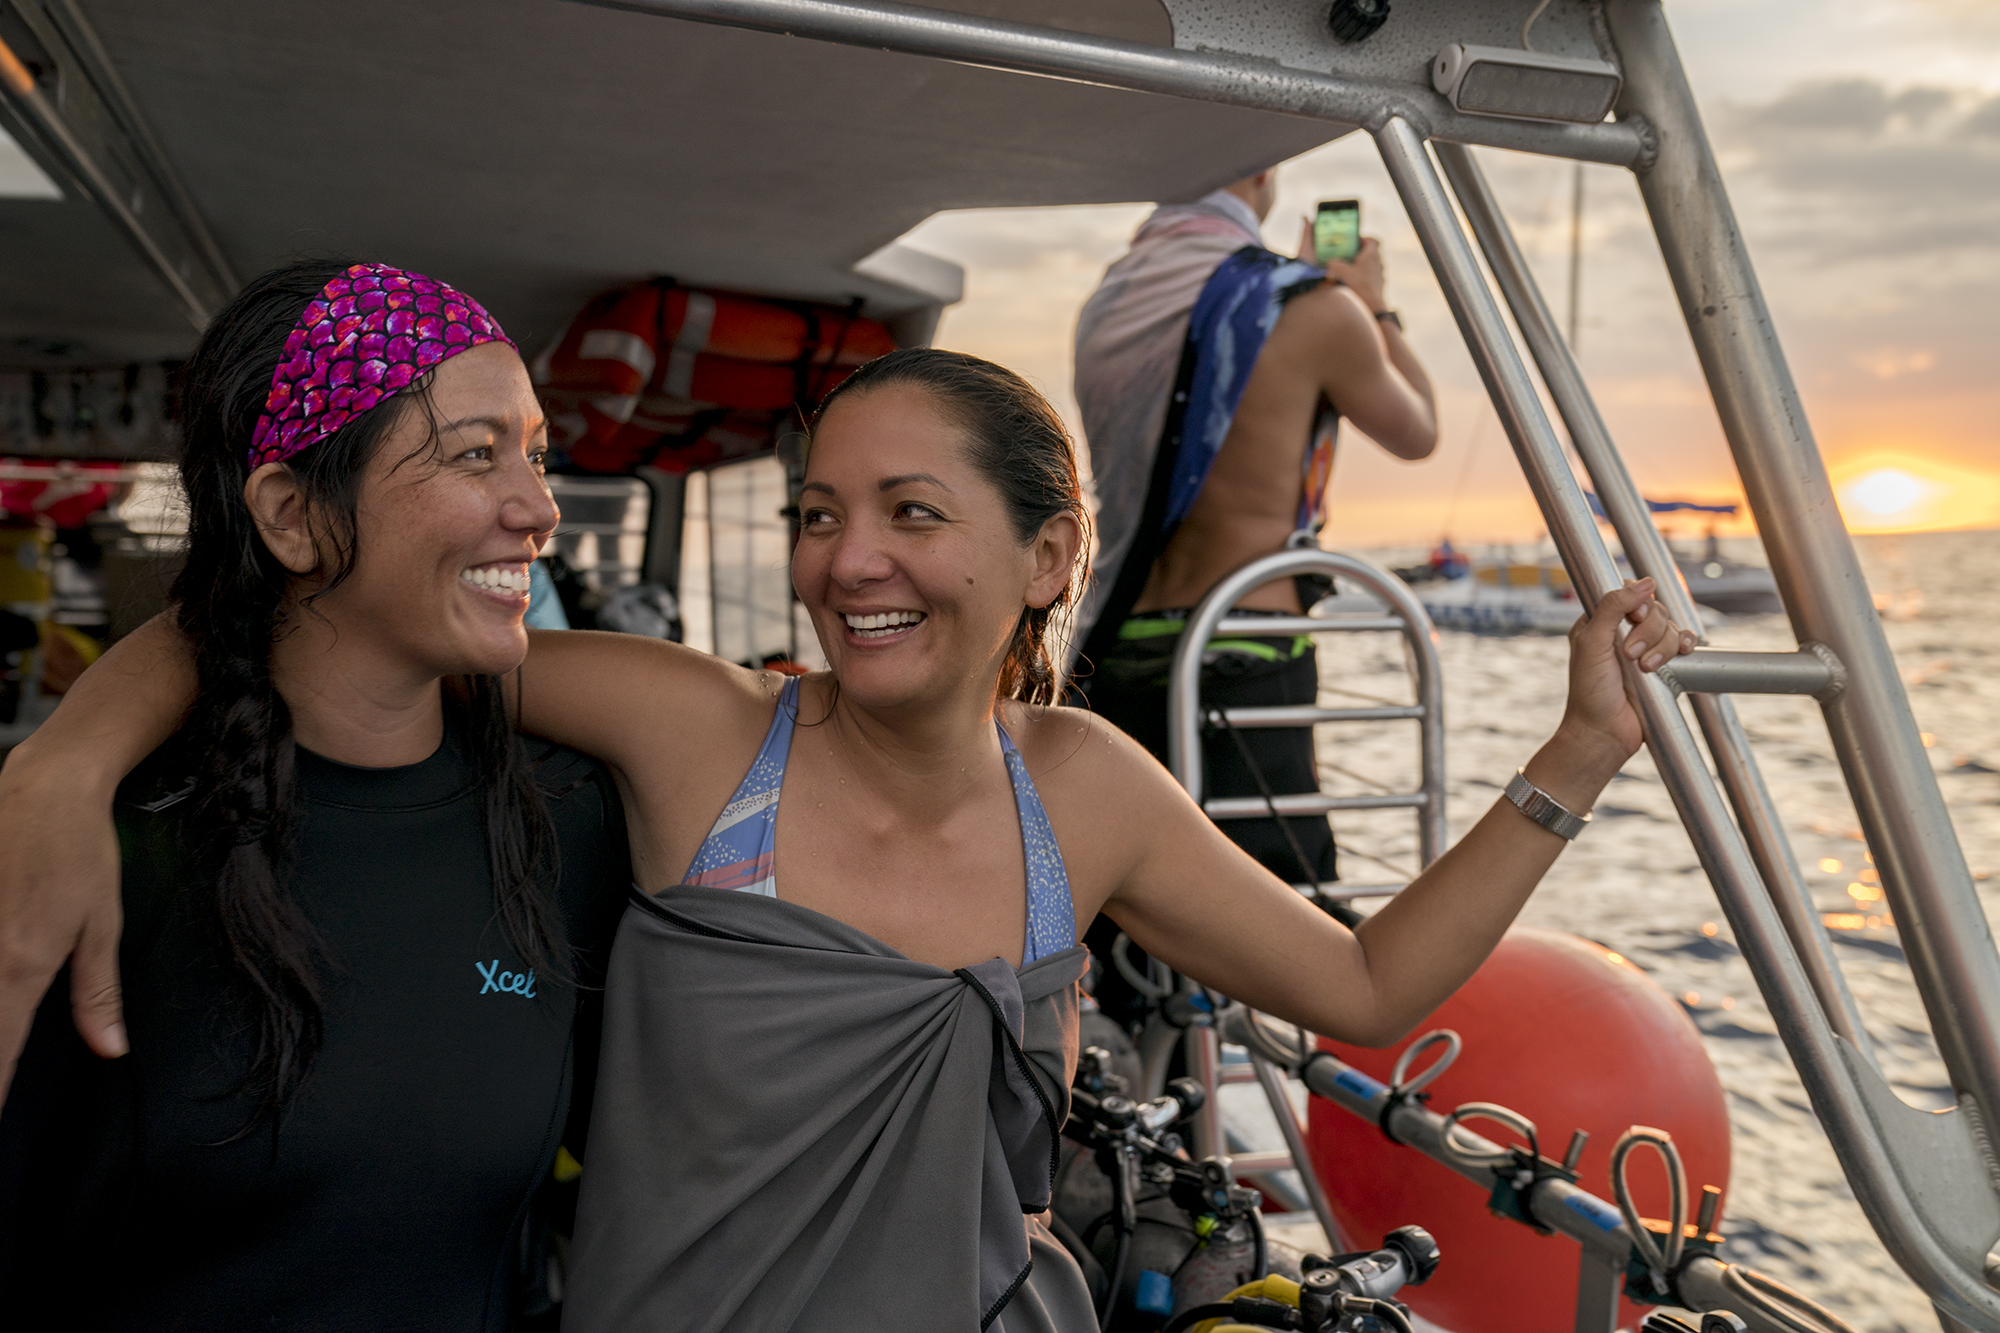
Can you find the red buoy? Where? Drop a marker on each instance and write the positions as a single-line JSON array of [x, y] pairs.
[[1572, 1036]]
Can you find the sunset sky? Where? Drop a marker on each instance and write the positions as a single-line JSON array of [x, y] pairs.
[[1861, 145]]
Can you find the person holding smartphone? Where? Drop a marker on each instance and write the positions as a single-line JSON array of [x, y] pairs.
[[1212, 375]]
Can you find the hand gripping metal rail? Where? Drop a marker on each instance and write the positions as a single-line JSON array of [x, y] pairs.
[[1929, 1183]]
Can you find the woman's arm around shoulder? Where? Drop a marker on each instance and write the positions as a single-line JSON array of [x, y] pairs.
[[59, 866], [645, 706]]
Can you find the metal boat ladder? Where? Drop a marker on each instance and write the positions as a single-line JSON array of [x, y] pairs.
[[1188, 718]]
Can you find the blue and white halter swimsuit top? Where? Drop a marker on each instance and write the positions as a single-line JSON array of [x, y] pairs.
[[741, 849]]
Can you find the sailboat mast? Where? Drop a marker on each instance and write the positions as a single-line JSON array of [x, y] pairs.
[[1575, 254]]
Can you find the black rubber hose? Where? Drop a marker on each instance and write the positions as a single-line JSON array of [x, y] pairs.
[[1122, 1212], [1385, 1311], [1260, 1256], [1779, 1303], [1116, 1283], [1187, 1319]]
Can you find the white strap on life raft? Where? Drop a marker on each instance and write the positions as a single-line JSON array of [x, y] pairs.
[[678, 382]]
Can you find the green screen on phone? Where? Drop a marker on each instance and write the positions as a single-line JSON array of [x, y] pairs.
[[1337, 231]]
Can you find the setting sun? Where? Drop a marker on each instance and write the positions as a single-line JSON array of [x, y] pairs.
[[1907, 492], [1887, 491]]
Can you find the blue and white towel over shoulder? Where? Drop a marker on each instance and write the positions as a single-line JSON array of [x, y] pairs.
[[1196, 272]]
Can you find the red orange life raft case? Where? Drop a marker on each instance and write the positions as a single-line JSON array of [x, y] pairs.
[[680, 378]]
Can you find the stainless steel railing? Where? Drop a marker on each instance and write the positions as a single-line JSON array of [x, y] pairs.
[[1942, 1242], [1707, 672], [1188, 718]]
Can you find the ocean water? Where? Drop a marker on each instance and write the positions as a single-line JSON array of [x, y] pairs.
[[1632, 881]]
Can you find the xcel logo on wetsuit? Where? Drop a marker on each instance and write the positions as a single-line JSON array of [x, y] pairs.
[[511, 983]]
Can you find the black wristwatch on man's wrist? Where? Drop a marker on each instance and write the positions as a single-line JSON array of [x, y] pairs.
[[1389, 317]]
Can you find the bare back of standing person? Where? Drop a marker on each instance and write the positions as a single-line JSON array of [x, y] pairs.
[[1199, 294], [1329, 347]]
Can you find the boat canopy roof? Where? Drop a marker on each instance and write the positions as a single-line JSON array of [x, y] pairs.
[[535, 153]]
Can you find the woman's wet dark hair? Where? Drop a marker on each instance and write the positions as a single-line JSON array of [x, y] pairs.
[[237, 742], [1018, 443]]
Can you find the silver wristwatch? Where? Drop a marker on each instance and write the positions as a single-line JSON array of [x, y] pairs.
[[1544, 809]]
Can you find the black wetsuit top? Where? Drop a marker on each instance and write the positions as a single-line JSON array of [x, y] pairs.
[[394, 1194]]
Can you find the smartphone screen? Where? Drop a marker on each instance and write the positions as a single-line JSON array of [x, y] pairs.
[[1337, 230]]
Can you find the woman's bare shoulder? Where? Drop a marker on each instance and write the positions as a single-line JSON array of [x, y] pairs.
[[1111, 804], [1074, 751]]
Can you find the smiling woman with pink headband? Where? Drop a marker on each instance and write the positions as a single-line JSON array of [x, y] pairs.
[[352, 971]]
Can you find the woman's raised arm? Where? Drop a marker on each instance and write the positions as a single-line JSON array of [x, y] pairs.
[[1204, 907]]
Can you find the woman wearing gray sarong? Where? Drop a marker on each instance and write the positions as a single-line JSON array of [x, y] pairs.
[[827, 1092], [841, 1026]]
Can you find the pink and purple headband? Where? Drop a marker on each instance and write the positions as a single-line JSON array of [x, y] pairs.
[[366, 337]]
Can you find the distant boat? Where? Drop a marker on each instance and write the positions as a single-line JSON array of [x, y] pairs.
[[1528, 597], [1505, 598], [1730, 586], [1492, 597]]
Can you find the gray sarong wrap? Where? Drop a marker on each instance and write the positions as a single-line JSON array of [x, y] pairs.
[[798, 1127]]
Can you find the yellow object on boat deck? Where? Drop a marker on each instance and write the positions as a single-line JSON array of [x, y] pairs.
[[24, 563], [1523, 576], [1274, 1287]]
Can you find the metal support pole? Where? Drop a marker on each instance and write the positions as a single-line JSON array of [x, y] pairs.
[[1273, 1083], [1575, 252], [1206, 76], [1777, 865], [1204, 1063], [1924, 875], [1854, 1127], [1598, 1283], [1556, 493]]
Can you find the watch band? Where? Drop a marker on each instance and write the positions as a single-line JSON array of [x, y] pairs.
[[1544, 809], [1389, 317]]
